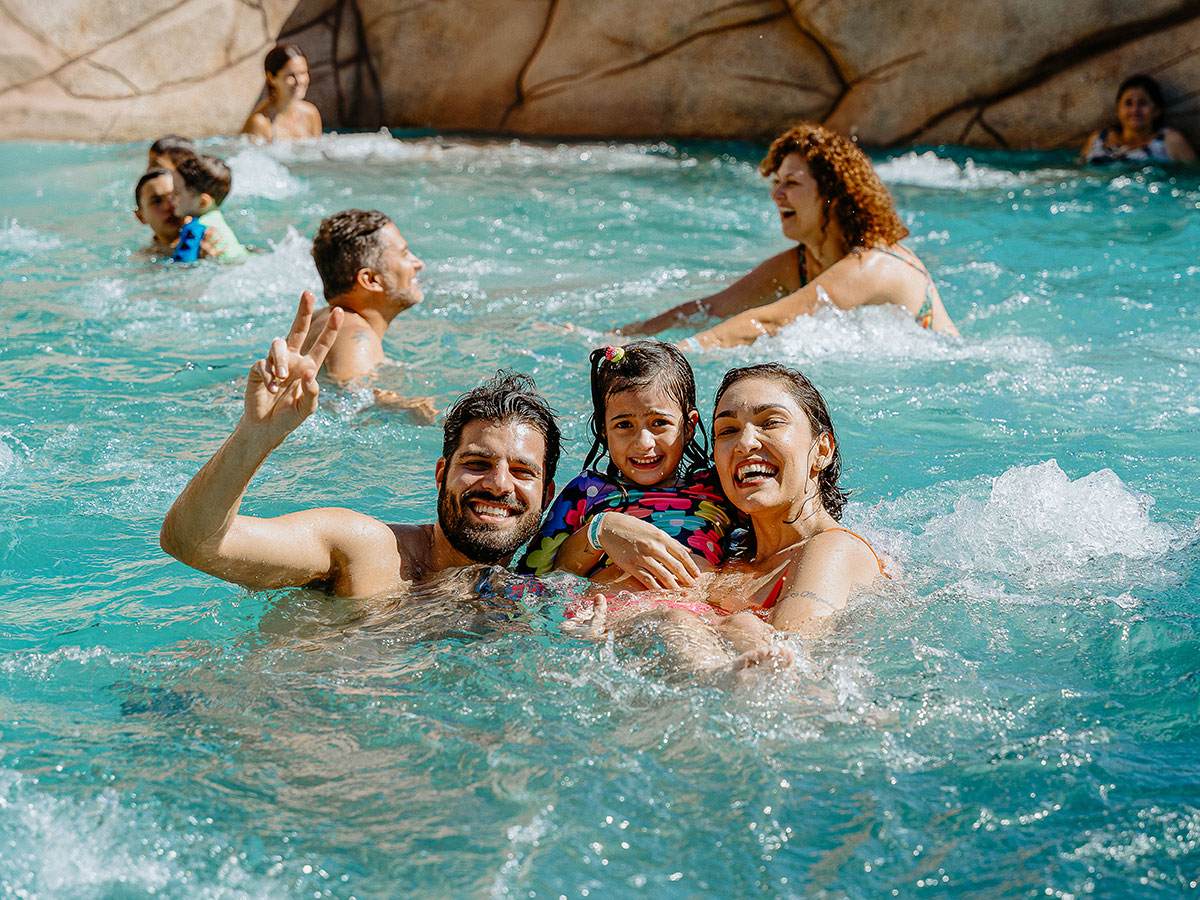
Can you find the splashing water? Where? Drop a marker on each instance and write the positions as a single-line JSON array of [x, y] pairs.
[[1013, 715]]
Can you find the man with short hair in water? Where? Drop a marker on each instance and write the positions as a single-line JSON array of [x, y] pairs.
[[369, 272], [154, 206], [495, 476]]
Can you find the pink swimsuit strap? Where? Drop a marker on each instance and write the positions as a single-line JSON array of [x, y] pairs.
[[878, 561]]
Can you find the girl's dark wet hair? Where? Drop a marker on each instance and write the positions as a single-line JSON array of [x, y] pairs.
[[278, 58], [809, 399], [644, 364], [1153, 90]]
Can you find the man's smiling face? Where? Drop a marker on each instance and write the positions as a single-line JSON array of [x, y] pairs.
[[492, 489]]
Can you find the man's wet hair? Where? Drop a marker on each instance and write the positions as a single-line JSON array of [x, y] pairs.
[[148, 175], [206, 175], [345, 243], [505, 397]]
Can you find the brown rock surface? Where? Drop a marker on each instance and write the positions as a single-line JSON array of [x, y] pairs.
[[1018, 73], [111, 70]]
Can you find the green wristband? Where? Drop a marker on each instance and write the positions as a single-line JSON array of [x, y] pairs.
[[593, 531]]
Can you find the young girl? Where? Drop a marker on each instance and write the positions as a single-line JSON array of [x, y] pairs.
[[644, 420]]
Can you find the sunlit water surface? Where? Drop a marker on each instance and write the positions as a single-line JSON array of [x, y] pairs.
[[1015, 716]]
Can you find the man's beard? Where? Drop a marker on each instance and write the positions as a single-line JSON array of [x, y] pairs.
[[480, 542]]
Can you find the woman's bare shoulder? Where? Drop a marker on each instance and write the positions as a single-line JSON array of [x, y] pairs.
[[257, 123], [312, 117]]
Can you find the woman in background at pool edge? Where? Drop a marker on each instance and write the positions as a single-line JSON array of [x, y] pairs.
[[848, 250], [284, 114], [1139, 135]]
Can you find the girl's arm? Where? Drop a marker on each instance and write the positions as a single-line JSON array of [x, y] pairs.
[[770, 280], [646, 554]]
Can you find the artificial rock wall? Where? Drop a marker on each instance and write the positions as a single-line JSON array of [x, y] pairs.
[[1018, 73]]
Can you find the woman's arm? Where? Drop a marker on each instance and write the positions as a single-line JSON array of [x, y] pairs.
[[314, 119], [1085, 152], [1178, 147], [770, 280], [857, 279]]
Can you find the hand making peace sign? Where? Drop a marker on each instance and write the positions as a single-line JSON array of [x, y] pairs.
[[282, 390]]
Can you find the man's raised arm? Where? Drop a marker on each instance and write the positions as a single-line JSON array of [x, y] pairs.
[[203, 529]]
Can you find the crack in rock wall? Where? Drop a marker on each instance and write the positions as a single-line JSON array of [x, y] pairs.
[[1020, 73]]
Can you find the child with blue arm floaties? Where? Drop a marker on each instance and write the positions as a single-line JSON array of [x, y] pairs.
[[201, 184]]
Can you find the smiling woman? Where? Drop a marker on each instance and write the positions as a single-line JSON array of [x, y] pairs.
[[778, 460], [1140, 135], [834, 206], [284, 114]]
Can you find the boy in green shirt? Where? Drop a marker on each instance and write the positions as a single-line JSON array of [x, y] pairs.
[[201, 185]]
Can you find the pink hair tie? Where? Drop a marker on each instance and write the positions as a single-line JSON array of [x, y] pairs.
[[614, 354]]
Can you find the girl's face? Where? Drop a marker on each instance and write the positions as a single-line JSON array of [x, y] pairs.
[[291, 82], [646, 431], [764, 448]]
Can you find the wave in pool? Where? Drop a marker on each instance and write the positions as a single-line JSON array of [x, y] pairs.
[[257, 174]]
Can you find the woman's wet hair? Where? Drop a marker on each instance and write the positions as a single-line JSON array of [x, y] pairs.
[[809, 399], [1153, 90], [637, 365], [280, 56], [845, 180]]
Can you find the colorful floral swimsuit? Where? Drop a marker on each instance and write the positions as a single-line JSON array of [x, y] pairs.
[[695, 513]]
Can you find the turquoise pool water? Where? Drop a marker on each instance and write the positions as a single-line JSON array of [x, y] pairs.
[[1017, 716]]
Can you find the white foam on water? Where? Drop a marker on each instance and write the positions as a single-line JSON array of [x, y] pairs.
[[256, 174], [59, 846], [266, 282], [932, 171], [39, 665], [883, 332], [11, 462], [18, 238], [1038, 526], [107, 297], [381, 147], [1157, 832]]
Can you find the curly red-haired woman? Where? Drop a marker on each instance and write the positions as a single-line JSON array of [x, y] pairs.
[[849, 251]]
